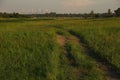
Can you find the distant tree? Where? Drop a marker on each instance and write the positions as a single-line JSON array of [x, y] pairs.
[[109, 11], [117, 12], [97, 15], [85, 15], [52, 14], [16, 15], [92, 14], [5, 15], [0, 15]]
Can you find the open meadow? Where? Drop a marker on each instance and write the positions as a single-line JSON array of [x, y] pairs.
[[59, 49]]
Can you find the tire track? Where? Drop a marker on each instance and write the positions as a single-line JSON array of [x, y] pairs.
[[62, 41], [102, 65], [71, 61]]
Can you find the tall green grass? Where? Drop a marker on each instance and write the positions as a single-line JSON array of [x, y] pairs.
[[28, 56], [103, 37], [28, 48]]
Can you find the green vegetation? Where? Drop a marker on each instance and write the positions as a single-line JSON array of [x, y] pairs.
[[104, 39], [29, 49], [27, 56]]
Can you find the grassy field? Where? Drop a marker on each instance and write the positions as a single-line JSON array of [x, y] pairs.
[[53, 49]]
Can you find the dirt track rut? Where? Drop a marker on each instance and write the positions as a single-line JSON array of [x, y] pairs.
[[101, 65]]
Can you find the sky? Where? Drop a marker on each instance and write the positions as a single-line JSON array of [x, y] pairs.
[[59, 6]]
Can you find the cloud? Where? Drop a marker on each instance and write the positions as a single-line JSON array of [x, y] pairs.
[[118, 2], [76, 3], [59, 5]]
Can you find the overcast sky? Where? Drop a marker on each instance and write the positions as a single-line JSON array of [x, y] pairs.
[[59, 6]]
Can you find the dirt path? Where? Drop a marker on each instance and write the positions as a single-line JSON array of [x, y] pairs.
[[71, 61], [62, 40], [102, 66]]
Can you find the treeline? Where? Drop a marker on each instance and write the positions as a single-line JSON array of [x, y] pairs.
[[109, 13], [12, 15]]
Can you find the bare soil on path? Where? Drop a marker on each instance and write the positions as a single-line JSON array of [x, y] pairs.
[[101, 65]]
